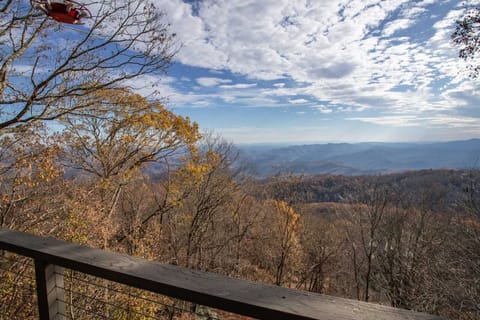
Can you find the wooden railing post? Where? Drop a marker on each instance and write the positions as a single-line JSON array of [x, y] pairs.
[[50, 291]]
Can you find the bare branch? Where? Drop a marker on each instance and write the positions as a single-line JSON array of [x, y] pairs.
[[123, 42]]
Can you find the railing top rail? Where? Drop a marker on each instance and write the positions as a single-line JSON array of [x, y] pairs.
[[213, 290]]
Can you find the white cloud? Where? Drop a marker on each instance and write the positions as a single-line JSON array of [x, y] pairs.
[[298, 101], [24, 69], [334, 49], [294, 134], [396, 25], [238, 86], [211, 82], [324, 109], [413, 12], [455, 122], [400, 121], [436, 121], [152, 86]]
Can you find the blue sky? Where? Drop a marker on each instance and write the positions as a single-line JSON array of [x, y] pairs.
[[308, 71]]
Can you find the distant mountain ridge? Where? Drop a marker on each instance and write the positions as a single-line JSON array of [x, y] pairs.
[[361, 158]]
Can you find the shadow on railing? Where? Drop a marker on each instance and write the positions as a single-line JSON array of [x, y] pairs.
[[70, 281]]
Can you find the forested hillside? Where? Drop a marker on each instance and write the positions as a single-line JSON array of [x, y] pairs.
[[404, 238], [408, 240], [77, 144], [448, 187]]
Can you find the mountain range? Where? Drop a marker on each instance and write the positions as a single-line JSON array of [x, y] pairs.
[[361, 158]]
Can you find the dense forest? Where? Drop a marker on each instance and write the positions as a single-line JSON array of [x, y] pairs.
[[409, 240], [77, 147]]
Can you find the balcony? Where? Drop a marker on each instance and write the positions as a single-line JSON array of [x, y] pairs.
[[113, 284]]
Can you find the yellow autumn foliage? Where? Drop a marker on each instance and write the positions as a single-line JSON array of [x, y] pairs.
[[124, 131]]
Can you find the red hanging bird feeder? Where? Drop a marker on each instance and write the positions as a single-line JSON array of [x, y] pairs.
[[66, 11]]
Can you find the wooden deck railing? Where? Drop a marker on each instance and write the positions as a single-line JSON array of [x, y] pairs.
[[233, 295]]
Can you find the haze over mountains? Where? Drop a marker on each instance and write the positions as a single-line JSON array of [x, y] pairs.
[[361, 158]]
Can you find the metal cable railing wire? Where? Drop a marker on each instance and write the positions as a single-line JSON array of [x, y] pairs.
[[117, 291], [88, 297], [23, 274], [105, 303], [89, 312], [147, 297], [132, 314]]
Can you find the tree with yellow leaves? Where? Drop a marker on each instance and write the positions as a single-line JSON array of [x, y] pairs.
[[28, 179], [122, 132], [202, 193], [105, 148]]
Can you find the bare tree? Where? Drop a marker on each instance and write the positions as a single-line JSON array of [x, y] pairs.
[[321, 242], [46, 66], [411, 251], [465, 254], [362, 223]]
